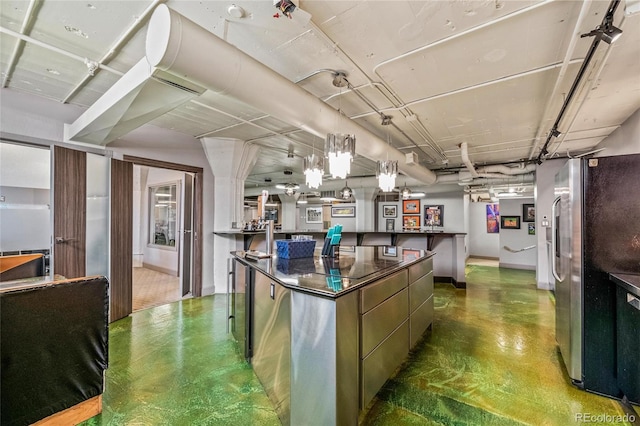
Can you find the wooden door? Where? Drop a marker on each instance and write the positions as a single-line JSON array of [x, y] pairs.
[[69, 212], [121, 280]]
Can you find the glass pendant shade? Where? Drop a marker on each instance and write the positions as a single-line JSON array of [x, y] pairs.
[[340, 149], [346, 192], [406, 193], [290, 189], [313, 170], [386, 173]]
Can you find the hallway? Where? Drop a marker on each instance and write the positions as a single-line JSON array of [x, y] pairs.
[[491, 359], [152, 288]]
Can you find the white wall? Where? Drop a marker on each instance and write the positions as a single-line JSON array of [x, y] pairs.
[[382, 221], [516, 239], [624, 140], [481, 243], [453, 217]]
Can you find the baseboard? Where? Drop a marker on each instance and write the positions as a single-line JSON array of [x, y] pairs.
[[516, 266], [74, 415], [484, 257], [167, 271], [450, 280]]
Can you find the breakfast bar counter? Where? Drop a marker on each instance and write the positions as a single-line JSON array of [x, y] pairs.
[[323, 334]]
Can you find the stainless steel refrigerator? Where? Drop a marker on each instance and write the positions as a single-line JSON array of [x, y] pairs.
[[596, 219]]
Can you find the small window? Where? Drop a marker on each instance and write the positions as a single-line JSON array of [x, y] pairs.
[[163, 215]]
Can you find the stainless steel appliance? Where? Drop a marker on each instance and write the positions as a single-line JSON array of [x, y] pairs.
[[239, 294], [596, 220]]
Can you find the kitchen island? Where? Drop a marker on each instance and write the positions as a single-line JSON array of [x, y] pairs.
[[324, 334]]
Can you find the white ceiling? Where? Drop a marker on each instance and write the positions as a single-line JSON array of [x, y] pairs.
[[492, 73]]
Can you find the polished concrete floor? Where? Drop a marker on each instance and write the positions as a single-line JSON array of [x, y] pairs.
[[491, 359]]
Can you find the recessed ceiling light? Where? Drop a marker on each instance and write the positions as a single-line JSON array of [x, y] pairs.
[[90, 6], [235, 11]]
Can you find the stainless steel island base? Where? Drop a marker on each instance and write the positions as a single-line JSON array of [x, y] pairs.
[[323, 341]]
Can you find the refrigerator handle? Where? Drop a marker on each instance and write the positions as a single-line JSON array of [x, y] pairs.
[[553, 238], [229, 275]]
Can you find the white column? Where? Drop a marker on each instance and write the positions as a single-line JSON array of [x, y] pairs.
[[231, 161], [364, 208], [459, 259], [288, 219]]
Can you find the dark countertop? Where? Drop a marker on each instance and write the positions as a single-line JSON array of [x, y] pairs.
[[334, 277], [629, 282], [324, 231]]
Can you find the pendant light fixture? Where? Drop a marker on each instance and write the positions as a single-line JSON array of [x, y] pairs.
[[313, 170], [346, 192], [340, 148], [387, 170], [406, 192]]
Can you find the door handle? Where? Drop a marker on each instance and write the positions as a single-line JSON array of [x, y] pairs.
[[61, 240], [553, 238]]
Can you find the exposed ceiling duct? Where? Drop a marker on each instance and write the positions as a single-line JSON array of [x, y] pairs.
[[141, 95], [188, 52]]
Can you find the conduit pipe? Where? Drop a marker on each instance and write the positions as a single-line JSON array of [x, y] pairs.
[[19, 46], [182, 48], [464, 153]]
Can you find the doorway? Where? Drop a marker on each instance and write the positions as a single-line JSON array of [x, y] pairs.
[[166, 247]]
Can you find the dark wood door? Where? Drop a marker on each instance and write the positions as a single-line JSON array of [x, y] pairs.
[[186, 233], [69, 212], [121, 280]]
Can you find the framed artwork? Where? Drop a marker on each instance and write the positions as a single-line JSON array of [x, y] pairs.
[[343, 211], [510, 222], [409, 254], [391, 251], [314, 215], [410, 206], [389, 211], [434, 215], [528, 213], [271, 214], [411, 222], [391, 224], [531, 228], [493, 218]]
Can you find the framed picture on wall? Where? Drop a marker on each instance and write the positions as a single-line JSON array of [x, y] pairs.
[[434, 215], [411, 222], [343, 211], [410, 206], [314, 215], [531, 228], [528, 213], [271, 214], [389, 211], [493, 218], [391, 224], [510, 222]]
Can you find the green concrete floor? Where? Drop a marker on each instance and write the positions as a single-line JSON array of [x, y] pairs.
[[491, 359]]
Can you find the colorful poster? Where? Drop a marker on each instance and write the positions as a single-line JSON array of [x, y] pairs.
[[493, 218]]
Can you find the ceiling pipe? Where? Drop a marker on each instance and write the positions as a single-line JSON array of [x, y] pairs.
[[19, 46], [182, 48], [138, 21], [54, 49], [464, 153], [554, 132], [565, 65]]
